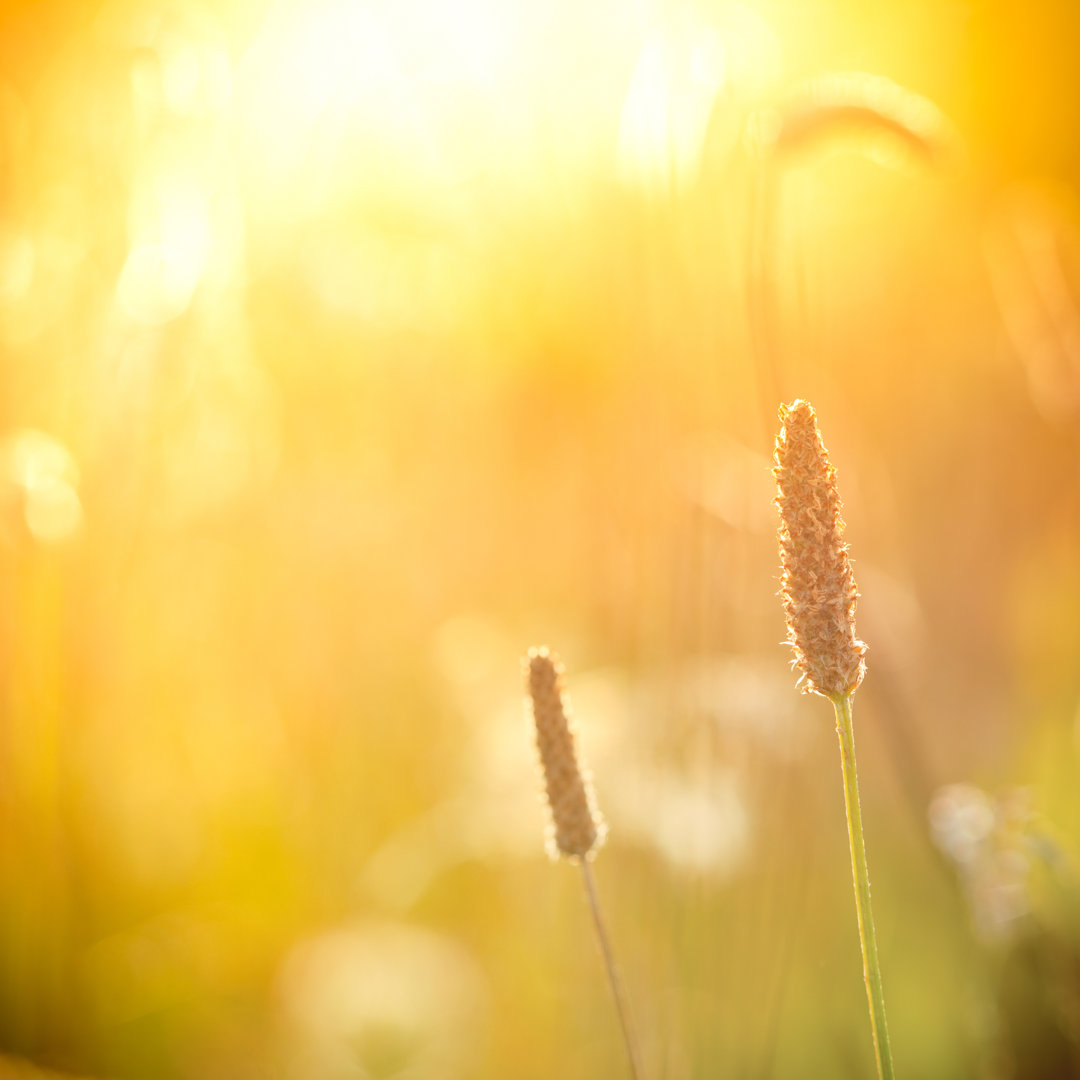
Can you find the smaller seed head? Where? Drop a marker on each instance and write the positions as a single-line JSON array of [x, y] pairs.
[[817, 584], [577, 829]]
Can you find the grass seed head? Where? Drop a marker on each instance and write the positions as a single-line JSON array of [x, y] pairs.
[[577, 829], [817, 583]]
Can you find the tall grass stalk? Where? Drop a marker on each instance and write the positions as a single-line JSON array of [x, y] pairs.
[[576, 829], [819, 595]]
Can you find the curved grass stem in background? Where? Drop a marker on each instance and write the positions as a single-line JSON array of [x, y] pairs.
[[854, 111], [860, 872]]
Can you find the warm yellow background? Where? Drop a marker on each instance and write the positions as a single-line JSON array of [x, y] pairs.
[[349, 348]]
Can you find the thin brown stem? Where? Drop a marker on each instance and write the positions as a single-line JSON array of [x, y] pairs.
[[622, 1005]]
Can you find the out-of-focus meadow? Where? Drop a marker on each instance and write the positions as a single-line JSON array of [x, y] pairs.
[[349, 348]]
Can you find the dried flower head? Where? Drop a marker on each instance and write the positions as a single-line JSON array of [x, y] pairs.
[[817, 585], [577, 829]]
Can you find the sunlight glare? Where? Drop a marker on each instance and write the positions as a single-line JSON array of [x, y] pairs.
[[46, 473], [156, 284], [196, 80], [16, 266], [687, 70]]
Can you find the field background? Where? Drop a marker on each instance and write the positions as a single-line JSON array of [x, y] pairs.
[[349, 349]]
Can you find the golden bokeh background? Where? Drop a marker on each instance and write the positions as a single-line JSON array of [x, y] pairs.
[[350, 347]]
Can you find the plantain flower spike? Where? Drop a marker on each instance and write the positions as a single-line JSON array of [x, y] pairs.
[[817, 584], [577, 829]]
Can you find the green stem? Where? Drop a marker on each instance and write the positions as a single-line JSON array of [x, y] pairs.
[[871, 966], [622, 1006]]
